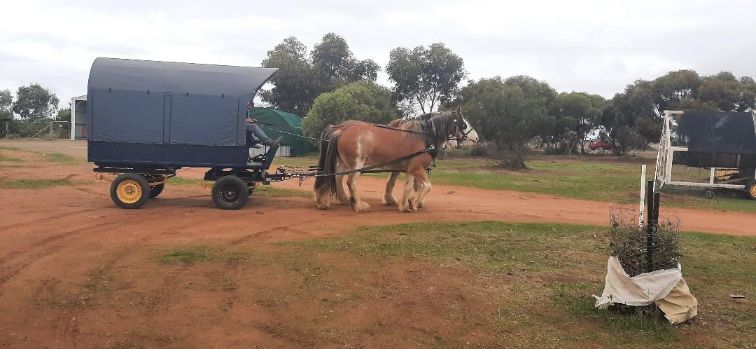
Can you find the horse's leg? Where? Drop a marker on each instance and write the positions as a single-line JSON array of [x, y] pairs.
[[323, 198], [425, 187], [409, 192], [340, 192], [357, 204], [388, 196]]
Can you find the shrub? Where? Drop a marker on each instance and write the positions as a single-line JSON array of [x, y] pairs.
[[628, 243], [364, 100]]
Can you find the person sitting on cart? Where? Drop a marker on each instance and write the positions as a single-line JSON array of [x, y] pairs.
[[256, 137]]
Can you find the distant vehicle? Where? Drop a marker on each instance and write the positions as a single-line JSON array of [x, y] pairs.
[[600, 145]]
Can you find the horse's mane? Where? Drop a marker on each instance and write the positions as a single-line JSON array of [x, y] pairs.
[[437, 126]]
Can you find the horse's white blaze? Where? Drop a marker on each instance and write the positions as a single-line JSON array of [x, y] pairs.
[[472, 136]]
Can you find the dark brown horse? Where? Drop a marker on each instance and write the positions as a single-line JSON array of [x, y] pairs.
[[354, 144]]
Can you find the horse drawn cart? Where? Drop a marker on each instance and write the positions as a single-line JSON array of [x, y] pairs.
[[148, 119]]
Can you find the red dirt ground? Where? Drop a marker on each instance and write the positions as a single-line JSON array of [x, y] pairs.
[[55, 240]]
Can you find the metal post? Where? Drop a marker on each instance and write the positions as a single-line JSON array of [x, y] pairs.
[[73, 119], [712, 174], [642, 196], [650, 225]]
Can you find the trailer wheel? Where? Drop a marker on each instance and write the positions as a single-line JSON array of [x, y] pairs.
[[230, 193], [751, 190], [155, 190], [709, 194], [130, 190]]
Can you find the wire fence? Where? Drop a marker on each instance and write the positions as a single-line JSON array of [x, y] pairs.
[[35, 129]]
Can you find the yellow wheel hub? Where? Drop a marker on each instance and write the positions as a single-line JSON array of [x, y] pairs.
[[129, 191], [753, 191]]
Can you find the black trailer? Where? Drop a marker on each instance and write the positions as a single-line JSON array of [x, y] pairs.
[[147, 119], [721, 144]]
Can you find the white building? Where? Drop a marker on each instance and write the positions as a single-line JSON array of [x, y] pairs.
[[79, 117]]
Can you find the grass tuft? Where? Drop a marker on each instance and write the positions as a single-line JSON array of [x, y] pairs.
[[5, 158], [62, 158], [267, 190], [34, 183], [200, 254]]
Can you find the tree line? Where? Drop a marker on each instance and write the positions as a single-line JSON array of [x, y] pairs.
[[31, 103], [330, 85]]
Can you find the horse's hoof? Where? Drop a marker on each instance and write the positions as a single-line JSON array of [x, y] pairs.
[[406, 208], [390, 202], [344, 200], [361, 207], [412, 206]]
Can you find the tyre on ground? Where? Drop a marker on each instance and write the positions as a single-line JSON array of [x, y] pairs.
[[130, 190], [230, 193], [751, 190]]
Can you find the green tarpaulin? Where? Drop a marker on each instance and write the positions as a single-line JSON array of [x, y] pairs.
[[278, 123]]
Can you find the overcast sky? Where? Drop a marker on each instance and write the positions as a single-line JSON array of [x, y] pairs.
[[594, 46]]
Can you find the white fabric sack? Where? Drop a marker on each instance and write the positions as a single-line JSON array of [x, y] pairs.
[[646, 288]]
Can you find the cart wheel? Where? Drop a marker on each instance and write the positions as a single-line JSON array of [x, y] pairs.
[[155, 190], [130, 190], [709, 194], [751, 190], [230, 193]]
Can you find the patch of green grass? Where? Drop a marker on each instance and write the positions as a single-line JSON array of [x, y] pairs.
[[298, 161], [725, 200], [556, 268], [34, 183], [491, 246], [55, 157], [267, 190], [628, 327], [186, 181], [199, 254], [62, 158], [589, 179], [5, 158]]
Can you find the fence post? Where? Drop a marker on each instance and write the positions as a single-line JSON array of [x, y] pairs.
[[650, 225], [642, 196]]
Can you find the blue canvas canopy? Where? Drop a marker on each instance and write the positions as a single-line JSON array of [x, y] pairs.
[[183, 113]]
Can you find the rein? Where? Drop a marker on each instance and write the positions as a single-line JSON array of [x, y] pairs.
[[431, 149]]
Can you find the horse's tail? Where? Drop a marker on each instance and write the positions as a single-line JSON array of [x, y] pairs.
[[323, 145], [329, 158]]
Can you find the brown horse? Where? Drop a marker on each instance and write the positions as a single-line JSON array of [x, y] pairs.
[[354, 144], [467, 136]]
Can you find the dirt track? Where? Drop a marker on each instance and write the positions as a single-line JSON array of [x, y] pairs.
[[448, 203], [57, 238]]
